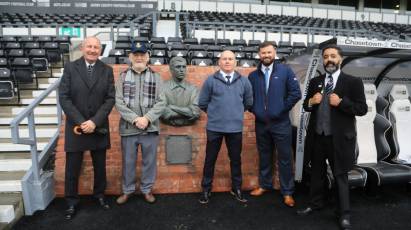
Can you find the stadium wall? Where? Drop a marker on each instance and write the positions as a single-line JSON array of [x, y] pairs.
[[171, 178]]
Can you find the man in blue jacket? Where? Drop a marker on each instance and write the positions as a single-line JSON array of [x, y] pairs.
[[275, 91], [225, 96]]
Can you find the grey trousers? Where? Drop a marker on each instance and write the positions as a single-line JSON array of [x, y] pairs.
[[129, 146]]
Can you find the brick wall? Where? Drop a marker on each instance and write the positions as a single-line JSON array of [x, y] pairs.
[[171, 178]]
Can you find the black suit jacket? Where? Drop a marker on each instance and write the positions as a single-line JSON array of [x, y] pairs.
[[85, 99], [351, 90]]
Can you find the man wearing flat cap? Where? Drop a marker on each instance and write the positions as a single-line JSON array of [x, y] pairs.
[[138, 101]]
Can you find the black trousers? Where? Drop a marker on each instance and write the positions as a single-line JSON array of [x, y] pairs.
[[234, 145], [73, 167], [323, 150]]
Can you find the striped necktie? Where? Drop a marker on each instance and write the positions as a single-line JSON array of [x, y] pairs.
[[330, 85], [90, 71]]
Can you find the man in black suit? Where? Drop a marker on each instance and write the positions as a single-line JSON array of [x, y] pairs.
[[86, 96], [334, 99]]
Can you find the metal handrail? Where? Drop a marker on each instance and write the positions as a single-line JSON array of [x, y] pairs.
[[38, 160]]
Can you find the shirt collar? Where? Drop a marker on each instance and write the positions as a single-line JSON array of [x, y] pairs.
[[270, 67], [335, 74], [87, 64], [224, 75], [175, 85]]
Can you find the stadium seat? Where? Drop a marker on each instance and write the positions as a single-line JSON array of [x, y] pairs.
[[157, 61], [202, 62], [38, 60], [247, 63], [109, 60], [400, 117], [6, 84], [373, 150], [53, 51], [191, 41], [22, 70]]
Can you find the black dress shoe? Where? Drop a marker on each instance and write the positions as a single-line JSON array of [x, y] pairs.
[[238, 195], [103, 203], [70, 212], [306, 211], [345, 222], [205, 197]]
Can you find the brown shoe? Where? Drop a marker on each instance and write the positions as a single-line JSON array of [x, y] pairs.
[[149, 197], [289, 201], [123, 198], [258, 191]]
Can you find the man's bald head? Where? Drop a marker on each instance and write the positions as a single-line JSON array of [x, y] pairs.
[[227, 61]]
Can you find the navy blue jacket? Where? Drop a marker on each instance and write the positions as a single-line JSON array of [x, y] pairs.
[[283, 93], [225, 103]]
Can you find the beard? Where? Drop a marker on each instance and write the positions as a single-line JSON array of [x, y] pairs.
[[139, 66], [267, 61], [331, 67]]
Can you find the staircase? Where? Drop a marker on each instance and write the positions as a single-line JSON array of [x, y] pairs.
[[15, 159]]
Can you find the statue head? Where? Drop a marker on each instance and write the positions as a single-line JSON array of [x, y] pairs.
[[178, 68]]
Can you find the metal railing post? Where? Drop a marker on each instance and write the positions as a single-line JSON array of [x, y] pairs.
[[33, 146]]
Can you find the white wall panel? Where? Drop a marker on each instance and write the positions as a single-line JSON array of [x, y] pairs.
[[375, 17], [241, 8], [190, 5], [348, 15], [258, 9], [305, 12], [401, 19], [320, 13], [388, 18], [334, 14], [290, 10], [225, 7], [273, 9], [208, 6], [169, 3]]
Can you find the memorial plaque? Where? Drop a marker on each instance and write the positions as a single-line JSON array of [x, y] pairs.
[[178, 149]]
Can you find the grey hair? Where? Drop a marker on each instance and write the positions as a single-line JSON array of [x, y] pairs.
[[175, 59]]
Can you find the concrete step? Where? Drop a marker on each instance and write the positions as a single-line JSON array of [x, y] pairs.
[[9, 165], [11, 209], [38, 119], [17, 161], [11, 181], [41, 131], [7, 110], [10, 147]]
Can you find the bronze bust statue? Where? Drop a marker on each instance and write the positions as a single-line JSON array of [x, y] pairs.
[[181, 97]]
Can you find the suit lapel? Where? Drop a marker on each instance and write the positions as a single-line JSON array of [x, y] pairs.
[[96, 73], [81, 69], [340, 85]]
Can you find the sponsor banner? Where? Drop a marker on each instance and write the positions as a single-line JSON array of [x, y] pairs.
[[299, 161], [372, 43]]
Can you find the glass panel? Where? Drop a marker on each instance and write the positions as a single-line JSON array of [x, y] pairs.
[[372, 3], [330, 2], [368, 67], [392, 5]]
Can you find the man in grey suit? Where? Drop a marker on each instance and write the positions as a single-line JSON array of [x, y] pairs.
[[86, 95]]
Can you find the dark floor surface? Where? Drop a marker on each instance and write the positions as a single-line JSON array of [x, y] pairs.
[[390, 209]]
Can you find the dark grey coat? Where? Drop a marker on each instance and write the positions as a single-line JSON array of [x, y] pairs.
[[85, 99]]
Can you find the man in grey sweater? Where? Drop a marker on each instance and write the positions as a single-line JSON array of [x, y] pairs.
[[224, 96], [138, 101]]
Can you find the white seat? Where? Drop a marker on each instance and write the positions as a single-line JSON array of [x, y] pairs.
[[400, 112], [367, 150], [398, 92]]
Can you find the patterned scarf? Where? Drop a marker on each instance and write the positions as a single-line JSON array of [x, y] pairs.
[[148, 92]]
